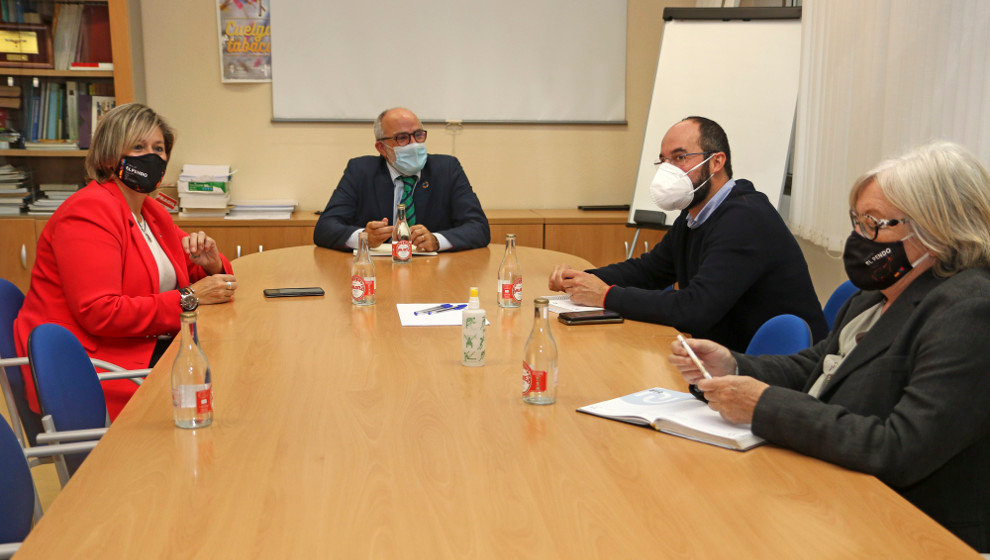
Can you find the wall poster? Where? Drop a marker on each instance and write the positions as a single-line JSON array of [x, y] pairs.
[[245, 40]]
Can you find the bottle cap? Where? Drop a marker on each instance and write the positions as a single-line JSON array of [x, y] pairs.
[[541, 302], [473, 302], [474, 292], [510, 236]]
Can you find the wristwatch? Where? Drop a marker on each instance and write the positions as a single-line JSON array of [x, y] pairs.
[[187, 299]]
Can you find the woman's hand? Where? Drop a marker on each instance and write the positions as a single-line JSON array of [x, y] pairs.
[[218, 288], [203, 251], [716, 358]]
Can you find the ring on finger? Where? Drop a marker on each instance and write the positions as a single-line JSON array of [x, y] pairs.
[[229, 285]]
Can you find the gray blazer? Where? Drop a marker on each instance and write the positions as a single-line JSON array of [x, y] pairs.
[[910, 404]]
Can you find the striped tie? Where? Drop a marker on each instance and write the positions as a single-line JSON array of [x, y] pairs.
[[407, 199]]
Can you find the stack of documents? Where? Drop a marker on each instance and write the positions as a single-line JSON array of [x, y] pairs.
[[15, 190], [204, 191], [262, 209]]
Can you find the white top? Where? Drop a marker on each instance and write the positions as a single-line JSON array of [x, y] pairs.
[[166, 272]]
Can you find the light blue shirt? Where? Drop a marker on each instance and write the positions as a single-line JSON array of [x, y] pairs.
[[712, 205], [352, 241]]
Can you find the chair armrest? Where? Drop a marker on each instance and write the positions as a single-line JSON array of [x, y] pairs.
[[7, 550], [60, 448], [71, 435], [4, 362]]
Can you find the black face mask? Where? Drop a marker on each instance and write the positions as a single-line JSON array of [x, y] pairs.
[[141, 173], [872, 265]]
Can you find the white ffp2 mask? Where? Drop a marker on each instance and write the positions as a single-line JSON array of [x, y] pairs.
[[672, 189]]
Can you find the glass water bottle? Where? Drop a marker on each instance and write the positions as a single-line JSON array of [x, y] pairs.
[[509, 275], [192, 389], [540, 359]]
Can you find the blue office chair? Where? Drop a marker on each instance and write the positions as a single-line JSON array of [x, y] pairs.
[[69, 392], [837, 300], [783, 334], [24, 422], [19, 507]]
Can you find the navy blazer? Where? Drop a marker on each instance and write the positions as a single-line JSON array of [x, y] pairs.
[[910, 404], [444, 200]]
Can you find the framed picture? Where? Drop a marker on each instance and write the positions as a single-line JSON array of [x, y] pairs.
[[25, 45], [245, 40]]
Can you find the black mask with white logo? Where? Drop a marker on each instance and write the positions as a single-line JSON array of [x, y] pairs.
[[872, 265], [141, 173]]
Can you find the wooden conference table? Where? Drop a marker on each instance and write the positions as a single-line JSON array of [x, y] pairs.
[[339, 433]]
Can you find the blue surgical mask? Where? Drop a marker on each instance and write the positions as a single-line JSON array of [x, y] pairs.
[[410, 159]]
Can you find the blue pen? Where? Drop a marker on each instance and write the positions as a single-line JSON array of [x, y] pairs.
[[449, 307], [433, 309]]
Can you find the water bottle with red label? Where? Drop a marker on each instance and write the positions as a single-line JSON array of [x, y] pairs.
[[192, 387], [540, 359], [509, 275], [363, 274], [401, 238]]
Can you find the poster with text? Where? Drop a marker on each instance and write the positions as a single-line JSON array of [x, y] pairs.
[[245, 40]]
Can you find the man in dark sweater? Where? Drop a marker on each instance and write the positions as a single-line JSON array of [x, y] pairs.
[[735, 263]]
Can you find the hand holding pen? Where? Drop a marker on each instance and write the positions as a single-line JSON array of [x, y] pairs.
[[701, 359]]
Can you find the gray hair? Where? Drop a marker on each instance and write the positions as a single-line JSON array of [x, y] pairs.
[[945, 193], [378, 122]]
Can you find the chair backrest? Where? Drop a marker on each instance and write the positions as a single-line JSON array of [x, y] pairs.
[[16, 487], [68, 388], [11, 300], [783, 334], [837, 300]]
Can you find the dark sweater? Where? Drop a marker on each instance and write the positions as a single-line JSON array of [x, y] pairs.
[[734, 272]]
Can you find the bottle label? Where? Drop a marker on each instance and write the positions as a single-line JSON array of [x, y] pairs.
[[517, 289], [534, 381], [204, 401], [402, 249], [190, 396], [504, 289], [362, 287]]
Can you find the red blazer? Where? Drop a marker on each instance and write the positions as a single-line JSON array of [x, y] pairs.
[[95, 276]]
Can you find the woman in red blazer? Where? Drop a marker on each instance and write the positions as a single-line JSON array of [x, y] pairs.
[[111, 263]]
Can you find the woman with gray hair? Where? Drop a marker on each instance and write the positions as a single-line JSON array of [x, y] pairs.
[[900, 389]]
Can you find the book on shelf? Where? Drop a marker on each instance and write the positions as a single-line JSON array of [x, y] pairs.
[[10, 102], [676, 413], [67, 25], [49, 144], [72, 110], [10, 91], [561, 303], [90, 66], [101, 105]]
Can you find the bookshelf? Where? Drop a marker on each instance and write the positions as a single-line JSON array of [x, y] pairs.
[[58, 166]]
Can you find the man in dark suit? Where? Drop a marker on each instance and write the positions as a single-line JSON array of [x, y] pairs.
[[443, 212]]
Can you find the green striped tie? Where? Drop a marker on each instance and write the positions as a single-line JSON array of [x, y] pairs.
[[407, 199]]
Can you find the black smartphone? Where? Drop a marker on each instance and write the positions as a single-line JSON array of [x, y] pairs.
[[293, 292], [589, 317]]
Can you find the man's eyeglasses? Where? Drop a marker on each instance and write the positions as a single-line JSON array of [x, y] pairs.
[[869, 227], [403, 138], [679, 159]]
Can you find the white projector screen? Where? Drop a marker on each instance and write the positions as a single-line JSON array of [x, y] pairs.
[[506, 61], [743, 74]]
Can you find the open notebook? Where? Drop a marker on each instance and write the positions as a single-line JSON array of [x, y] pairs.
[[677, 413]]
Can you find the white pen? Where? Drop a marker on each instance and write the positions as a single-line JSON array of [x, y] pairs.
[[694, 357]]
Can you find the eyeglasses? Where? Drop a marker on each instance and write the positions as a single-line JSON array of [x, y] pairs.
[[679, 159], [403, 138], [869, 227]]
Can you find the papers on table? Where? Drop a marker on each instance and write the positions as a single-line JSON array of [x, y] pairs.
[[561, 303], [448, 318], [385, 250]]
